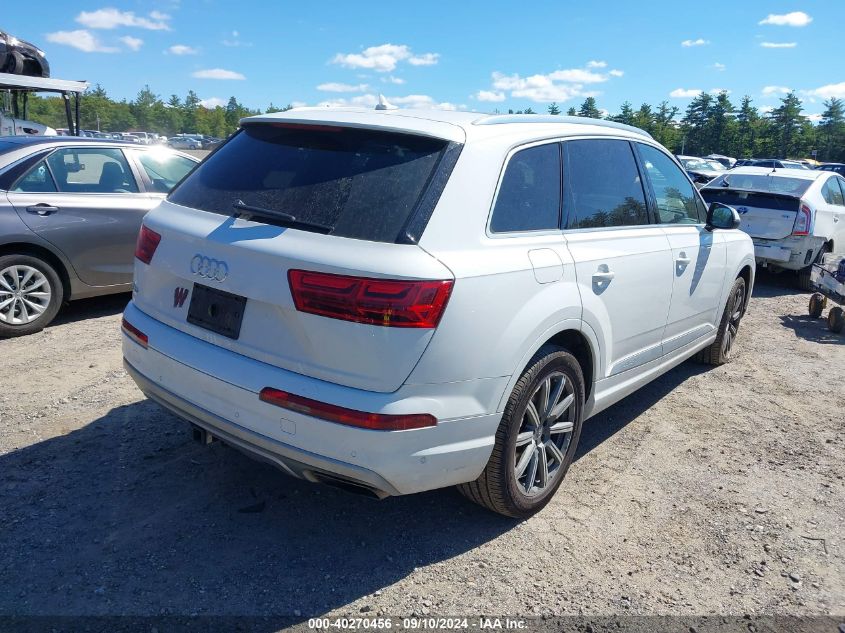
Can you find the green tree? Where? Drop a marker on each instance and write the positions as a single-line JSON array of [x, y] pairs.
[[626, 114], [589, 109], [553, 108], [788, 129], [572, 112], [831, 131]]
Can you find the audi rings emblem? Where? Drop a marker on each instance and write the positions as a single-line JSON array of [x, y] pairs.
[[209, 268]]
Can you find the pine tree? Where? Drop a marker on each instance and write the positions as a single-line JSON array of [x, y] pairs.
[[788, 126], [831, 134], [572, 112], [626, 114], [553, 108], [589, 109]]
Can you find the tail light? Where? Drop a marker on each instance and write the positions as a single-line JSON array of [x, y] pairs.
[[134, 333], [386, 302], [349, 417], [803, 221], [147, 244]]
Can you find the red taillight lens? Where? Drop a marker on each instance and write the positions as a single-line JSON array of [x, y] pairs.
[[387, 302], [147, 244], [134, 333], [349, 417], [803, 221]]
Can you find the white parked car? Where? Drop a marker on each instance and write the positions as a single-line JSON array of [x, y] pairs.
[[395, 301], [794, 216]]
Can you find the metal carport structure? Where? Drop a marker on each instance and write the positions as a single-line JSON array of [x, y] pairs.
[[19, 87]]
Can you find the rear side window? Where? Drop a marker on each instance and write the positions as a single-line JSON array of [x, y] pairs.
[[603, 186], [529, 196], [831, 192], [354, 183], [164, 168], [674, 194]]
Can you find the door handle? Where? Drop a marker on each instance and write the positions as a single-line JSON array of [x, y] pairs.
[[603, 275], [683, 260], [42, 209]]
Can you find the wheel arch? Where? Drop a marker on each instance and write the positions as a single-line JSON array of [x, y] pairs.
[[747, 273], [34, 250], [578, 339]]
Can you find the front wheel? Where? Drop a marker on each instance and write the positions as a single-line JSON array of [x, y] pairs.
[[30, 295], [721, 350], [536, 439], [836, 320]]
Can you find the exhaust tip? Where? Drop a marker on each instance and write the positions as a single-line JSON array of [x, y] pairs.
[[347, 485]]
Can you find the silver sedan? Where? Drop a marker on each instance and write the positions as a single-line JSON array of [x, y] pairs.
[[70, 210]]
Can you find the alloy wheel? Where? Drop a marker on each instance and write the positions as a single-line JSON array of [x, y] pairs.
[[24, 294], [545, 434], [737, 301]]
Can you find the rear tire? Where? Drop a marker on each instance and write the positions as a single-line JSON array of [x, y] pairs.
[[836, 320], [721, 350], [817, 301], [536, 439], [804, 281], [31, 294]]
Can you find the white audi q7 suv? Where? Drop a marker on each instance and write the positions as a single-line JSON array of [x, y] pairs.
[[395, 301]]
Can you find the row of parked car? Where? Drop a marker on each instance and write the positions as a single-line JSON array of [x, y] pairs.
[[794, 210], [180, 141]]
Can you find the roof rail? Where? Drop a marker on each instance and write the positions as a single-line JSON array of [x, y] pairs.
[[500, 119]]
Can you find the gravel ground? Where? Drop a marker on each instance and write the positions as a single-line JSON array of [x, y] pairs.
[[710, 491]]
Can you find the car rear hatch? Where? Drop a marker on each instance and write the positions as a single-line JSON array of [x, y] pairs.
[[767, 205], [284, 246]]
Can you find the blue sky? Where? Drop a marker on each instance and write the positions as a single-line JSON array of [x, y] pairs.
[[458, 54]]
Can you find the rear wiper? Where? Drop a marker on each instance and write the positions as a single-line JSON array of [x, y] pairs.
[[286, 218]]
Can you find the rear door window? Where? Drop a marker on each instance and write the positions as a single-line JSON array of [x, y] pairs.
[[603, 186], [529, 196], [91, 170], [356, 183], [36, 180], [831, 192], [677, 202]]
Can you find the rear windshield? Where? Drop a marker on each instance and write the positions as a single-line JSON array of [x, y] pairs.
[[354, 183], [766, 183]]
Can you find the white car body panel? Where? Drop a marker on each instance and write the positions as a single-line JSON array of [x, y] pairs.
[[512, 293]]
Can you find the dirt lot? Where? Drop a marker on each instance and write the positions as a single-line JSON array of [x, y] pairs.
[[709, 491]]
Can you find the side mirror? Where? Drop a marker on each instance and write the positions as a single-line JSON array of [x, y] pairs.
[[721, 216]]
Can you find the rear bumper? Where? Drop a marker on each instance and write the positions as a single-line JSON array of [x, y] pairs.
[[789, 253], [217, 390]]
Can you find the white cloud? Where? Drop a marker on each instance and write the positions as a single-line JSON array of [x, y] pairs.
[[559, 85], [182, 49], [489, 95], [718, 66], [778, 44], [217, 73], [80, 39], [426, 59], [298, 104], [213, 102], [384, 58], [830, 91], [766, 109], [132, 43], [814, 118], [409, 101], [338, 87], [235, 41], [796, 18], [596, 64], [685, 93], [774, 90], [111, 18], [393, 80], [699, 42]]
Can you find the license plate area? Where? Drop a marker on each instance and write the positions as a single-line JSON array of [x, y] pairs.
[[215, 310]]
